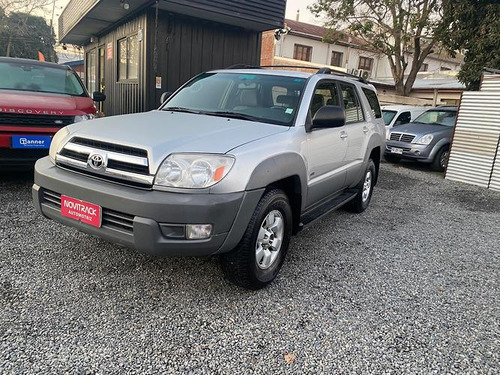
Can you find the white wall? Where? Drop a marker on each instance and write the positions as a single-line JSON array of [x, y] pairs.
[[322, 52]]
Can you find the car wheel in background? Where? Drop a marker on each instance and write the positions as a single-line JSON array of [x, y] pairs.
[[257, 259], [441, 159], [365, 190], [392, 158]]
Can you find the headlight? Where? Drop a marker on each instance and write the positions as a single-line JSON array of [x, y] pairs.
[[88, 116], [193, 171], [56, 143], [425, 139]]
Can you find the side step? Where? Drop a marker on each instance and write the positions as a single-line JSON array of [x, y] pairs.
[[310, 216]]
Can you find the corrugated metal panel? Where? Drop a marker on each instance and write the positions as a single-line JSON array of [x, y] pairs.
[[476, 138], [72, 14], [495, 175], [491, 83]]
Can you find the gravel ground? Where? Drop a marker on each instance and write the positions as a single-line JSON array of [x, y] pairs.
[[410, 286]]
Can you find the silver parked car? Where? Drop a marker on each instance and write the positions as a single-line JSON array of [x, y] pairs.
[[233, 163], [427, 139]]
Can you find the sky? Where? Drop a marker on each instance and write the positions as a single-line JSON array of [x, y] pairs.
[[305, 15]]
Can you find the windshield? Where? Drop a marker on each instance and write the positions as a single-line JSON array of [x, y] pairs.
[[437, 117], [27, 76], [253, 97], [388, 116]]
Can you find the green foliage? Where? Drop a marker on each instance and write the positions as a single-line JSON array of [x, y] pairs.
[[23, 35], [473, 26], [403, 30]]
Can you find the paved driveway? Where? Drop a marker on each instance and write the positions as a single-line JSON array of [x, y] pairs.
[[410, 286]]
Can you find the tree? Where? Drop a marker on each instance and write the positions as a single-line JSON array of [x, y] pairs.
[[22, 33], [405, 31], [25, 35], [474, 27]]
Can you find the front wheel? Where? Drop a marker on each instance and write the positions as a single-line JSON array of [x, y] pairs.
[[365, 190], [441, 159], [257, 259]]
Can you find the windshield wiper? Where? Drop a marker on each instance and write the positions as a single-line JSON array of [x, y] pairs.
[[239, 116], [181, 109]]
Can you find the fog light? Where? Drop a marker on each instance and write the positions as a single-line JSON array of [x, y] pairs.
[[198, 231]]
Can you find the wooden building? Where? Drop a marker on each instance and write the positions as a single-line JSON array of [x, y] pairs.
[[135, 50]]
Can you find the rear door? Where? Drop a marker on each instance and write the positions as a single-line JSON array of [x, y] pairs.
[[357, 132], [326, 148]]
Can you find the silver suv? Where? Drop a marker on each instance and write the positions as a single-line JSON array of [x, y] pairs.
[[233, 163]]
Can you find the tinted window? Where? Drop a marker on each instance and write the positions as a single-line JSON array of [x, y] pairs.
[[27, 76], [325, 94], [388, 116], [437, 117], [373, 101], [353, 111], [256, 97], [403, 118]]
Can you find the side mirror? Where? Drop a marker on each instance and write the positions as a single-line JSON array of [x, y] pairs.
[[165, 96], [98, 96], [328, 116]]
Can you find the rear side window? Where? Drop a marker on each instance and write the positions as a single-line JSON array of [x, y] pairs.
[[373, 101], [352, 107]]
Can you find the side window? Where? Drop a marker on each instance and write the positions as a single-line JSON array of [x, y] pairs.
[[373, 101], [325, 94], [352, 107], [403, 118]]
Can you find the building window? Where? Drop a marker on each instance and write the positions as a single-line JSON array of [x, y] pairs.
[[91, 76], [337, 58], [365, 63], [445, 69], [424, 68], [128, 58], [301, 52]]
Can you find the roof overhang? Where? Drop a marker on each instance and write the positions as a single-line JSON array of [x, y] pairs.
[[82, 19]]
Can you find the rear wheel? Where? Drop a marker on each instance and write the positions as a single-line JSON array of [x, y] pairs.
[[257, 259], [365, 190], [392, 159], [441, 159]]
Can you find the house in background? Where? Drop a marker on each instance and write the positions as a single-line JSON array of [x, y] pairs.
[[137, 50], [303, 44]]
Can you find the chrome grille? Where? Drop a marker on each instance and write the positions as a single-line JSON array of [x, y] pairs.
[[124, 164], [401, 137], [21, 119], [110, 218]]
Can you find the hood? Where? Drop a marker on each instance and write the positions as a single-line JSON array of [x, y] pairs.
[[41, 103], [162, 133], [417, 129]]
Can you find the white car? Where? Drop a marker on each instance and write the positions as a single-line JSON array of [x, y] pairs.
[[395, 115]]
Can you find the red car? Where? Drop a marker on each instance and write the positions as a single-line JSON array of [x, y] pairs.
[[36, 100]]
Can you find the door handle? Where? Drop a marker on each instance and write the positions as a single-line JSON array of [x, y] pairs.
[[343, 135], [365, 129]]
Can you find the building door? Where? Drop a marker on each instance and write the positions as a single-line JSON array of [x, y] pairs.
[[90, 71], [101, 74]]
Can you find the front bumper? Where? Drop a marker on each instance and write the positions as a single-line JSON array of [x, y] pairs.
[[136, 217], [410, 151]]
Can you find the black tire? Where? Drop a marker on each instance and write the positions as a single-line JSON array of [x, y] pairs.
[[240, 265], [441, 159], [359, 204], [392, 159]]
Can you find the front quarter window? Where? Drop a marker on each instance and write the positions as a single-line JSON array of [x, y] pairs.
[[253, 97]]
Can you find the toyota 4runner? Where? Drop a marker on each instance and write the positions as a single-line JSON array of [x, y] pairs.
[[233, 163]]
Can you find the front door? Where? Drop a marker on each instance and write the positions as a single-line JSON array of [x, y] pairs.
[[326, 149]]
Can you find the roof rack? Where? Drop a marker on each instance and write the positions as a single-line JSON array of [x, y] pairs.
[[319, 70]]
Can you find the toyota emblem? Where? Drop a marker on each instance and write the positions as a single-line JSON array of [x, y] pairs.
[[96, 161]]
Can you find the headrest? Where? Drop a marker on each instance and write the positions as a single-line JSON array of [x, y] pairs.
[[248, 98]]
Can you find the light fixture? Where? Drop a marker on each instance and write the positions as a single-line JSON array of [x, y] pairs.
[[124, 4]]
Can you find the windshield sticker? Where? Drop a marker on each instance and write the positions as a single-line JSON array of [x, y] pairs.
[[289, 111], [246, 76]]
